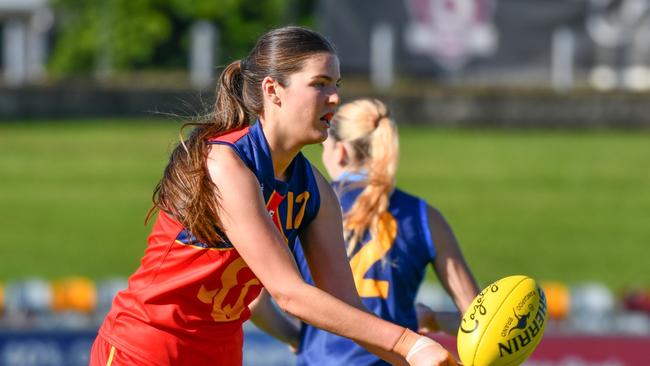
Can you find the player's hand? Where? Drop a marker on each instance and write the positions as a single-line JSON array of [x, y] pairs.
[[419, 350], [432, 354], [427, 322]]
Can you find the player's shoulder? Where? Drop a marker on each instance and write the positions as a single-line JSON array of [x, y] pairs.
[[399, 196], [321, 182], [417, 204], [224, 163], [230, 136]]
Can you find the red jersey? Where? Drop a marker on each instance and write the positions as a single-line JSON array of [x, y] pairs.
[[187, 301]]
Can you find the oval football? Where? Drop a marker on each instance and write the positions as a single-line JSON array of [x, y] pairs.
[[504, 323]]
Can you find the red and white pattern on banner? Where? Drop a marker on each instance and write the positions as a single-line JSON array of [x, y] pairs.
[[556, 350]]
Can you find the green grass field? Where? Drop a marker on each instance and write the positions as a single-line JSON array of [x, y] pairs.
[[567, 206]]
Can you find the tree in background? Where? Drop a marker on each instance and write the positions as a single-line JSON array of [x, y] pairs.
[[104, 37]]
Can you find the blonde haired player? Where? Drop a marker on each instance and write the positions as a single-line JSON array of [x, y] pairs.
[[391, 238]]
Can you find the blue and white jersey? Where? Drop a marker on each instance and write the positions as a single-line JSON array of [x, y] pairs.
[[387, 273]]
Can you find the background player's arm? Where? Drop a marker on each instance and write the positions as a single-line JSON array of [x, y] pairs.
[[430, 321], [248, 226], [453, 272]]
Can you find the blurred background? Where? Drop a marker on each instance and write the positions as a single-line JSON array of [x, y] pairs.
[[524, 121]]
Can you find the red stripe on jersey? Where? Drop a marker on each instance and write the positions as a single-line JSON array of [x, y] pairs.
[[231, 136], [272, 207]]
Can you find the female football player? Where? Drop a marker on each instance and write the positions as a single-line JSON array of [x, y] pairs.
[[233, 198]]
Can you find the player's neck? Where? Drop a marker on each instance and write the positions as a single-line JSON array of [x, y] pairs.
[[282, 152]]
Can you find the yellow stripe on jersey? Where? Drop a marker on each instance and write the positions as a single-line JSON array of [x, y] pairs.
[[110, 356]]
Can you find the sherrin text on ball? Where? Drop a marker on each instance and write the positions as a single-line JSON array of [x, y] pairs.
[[504, 323]]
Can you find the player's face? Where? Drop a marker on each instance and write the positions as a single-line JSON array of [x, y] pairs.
[[309, 99]]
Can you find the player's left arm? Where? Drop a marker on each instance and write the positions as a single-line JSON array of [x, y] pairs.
[[269, 318], [324, 248], [450, 265]]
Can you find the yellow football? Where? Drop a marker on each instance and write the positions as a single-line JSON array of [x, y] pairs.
[[504, 323]]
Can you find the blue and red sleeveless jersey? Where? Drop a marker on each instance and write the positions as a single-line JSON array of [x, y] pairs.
[[187, 299], [387, 273]]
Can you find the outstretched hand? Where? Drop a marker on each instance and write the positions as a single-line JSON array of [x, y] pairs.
[[431, 354]]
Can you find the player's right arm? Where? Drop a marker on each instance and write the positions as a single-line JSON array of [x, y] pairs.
[[454, 275], [449, 264], [249, 227]]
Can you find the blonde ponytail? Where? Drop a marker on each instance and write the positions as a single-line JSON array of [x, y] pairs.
[[365, 125]]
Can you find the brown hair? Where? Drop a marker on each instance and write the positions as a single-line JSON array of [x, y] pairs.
[[365, 126], [186, 191]]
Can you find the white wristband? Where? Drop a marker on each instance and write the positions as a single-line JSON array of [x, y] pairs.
[[421, 343]]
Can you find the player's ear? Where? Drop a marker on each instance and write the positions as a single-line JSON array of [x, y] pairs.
[[270, 90]]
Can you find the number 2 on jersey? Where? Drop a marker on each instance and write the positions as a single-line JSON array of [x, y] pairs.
[[369, 254]]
